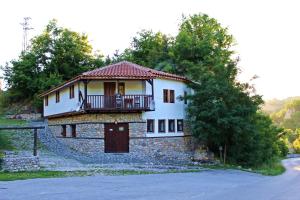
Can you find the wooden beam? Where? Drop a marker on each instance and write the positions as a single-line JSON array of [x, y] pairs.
[[35, 143]]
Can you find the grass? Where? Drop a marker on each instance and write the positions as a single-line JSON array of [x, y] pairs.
[[5, 142], [273, 167], [10, 122], [12, 176]]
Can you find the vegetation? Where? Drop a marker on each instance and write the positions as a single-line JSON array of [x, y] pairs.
[[273, 167], [287, 115], [56, 55], [222, 112], [11, 176]]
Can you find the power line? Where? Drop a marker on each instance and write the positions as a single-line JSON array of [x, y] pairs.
[[26, 28]]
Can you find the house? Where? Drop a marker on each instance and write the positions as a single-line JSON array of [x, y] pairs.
[[122, 110]]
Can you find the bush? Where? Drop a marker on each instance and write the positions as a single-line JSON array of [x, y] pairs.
[[296, 145], [283, 148]]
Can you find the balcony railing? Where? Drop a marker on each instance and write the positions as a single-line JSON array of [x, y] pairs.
[[119, 103]]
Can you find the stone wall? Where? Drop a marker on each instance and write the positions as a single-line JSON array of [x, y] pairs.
[[25, 116], [90, 139], [98, 118], [14, 163]]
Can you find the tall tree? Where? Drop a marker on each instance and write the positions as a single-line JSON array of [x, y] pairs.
[[150, 49], [56, 55], [222, 111]]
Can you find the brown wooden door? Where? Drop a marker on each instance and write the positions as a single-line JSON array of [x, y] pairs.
[[109, 94], [116, 138]]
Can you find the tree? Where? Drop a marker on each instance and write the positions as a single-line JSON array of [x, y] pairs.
[[150, 49], [222, 111], [56, 55]]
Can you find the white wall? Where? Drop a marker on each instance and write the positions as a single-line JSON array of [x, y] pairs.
[[64, 105], [166, 110], [94, 88]]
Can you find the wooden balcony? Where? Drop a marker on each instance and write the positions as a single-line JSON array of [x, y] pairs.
[[119, 103]]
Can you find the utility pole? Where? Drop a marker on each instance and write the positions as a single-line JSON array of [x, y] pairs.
[[26, 28]]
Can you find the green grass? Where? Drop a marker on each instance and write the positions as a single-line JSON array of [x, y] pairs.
[[273, 167], [5, 142], [10, 122], [11, 176]]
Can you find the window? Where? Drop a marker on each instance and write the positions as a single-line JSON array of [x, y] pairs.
[[179, 125], [57, 96], [166, 96], [171, 125], [172, 96], [72, 95], [121, 88], [169, 96], [161, 126], [73, 130], [46, 100], [150, 125], [185, 95], [64, 130]]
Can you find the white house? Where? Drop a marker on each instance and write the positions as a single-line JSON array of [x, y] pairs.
[[121, 108]]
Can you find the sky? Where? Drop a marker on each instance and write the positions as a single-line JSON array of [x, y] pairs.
[[267, 32]]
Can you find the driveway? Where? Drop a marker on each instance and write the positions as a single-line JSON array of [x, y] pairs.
[[206, 185]]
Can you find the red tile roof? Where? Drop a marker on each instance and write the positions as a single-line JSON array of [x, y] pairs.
[[120, 70], [128, 70]]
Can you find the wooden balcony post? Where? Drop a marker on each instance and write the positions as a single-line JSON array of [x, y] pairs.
[[85, 93], [152, 88], [151, 82]]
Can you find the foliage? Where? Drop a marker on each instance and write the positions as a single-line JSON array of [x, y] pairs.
[[56, 55], [274, 105], [272, 167], [149, 49], [296, 145], [222, 111], [289, 115], [5, 143]]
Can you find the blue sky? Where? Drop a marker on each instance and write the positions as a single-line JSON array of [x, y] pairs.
[[267, 32]]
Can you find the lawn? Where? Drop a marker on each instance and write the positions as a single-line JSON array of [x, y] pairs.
[[15, 139], [273, 167], [11, 176], [11, 122]]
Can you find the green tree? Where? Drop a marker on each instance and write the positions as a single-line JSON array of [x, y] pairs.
[[150, 49], [56, 55], [222, 111]]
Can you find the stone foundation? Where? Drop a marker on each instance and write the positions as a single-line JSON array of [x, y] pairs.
[[14, 163], [89, 139]]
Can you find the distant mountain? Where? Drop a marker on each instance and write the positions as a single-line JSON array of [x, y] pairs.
[[275, 105], [285, 113]]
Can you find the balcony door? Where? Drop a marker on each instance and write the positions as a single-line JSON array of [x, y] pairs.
[[109, 94]]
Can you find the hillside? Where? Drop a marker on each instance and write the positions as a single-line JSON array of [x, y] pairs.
[[274, 105], [285, 113]]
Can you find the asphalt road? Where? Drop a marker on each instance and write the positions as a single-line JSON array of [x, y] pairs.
[[207, 185]]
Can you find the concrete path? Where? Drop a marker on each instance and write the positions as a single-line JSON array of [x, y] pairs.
[[206, 185]]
